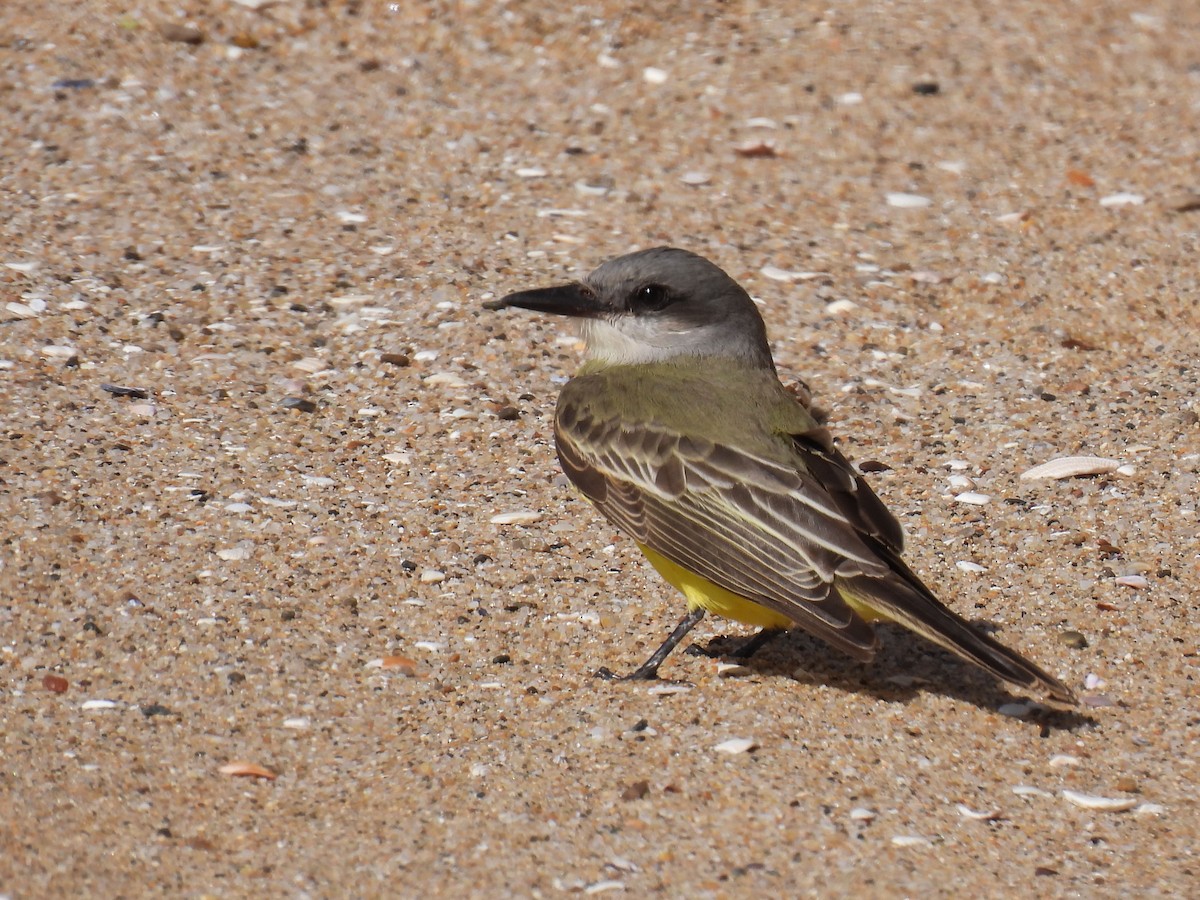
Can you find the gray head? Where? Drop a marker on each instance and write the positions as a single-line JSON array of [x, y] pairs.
[[655, 305]]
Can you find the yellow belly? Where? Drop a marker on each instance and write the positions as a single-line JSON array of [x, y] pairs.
[[702, 593]]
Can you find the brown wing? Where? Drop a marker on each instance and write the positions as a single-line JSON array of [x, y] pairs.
[[767, 531]]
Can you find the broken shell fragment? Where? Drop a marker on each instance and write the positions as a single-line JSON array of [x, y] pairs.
[[1072, 467], [1092, 801], [247, 770]]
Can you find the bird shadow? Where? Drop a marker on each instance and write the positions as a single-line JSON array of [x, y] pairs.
[[903, 668]]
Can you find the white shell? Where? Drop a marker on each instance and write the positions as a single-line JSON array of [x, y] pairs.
[[908, 201], [911, 840], [1026, 790], [1124, 198], [1133, 581], [1092, 801], [517, 517], [777, 274], [974, 498], [734, 746], [1072, 466], [984, 815]]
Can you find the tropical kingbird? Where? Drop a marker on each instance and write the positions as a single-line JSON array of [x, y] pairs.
[[678, 430]]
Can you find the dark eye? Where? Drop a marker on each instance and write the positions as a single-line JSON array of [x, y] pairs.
[[651, 298]]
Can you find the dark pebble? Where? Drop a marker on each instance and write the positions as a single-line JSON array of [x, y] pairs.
[[301, 403], [73, 84], [119, 391], [873, 465]]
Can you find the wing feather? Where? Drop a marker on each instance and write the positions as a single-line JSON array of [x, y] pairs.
[[766, 531]]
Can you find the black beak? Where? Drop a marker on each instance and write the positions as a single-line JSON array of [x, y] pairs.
[[564, 300]]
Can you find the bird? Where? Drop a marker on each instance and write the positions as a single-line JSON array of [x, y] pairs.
[[678, 430]]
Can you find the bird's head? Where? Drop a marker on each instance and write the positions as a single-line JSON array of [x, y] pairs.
[[656, 305]]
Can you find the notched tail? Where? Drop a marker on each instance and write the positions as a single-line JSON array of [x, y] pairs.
[[921, 612]]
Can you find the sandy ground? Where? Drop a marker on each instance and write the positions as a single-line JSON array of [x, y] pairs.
[[279, 227]]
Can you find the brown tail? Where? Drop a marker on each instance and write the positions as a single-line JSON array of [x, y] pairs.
[[906, 600]]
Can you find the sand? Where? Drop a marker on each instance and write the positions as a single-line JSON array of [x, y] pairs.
[[260, 634]]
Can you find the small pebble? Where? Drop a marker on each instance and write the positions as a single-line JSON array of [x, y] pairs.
[[56, 684], [862, 814], [695, 179], [1127, 784], [1074, 639], [654, 76], [967, 566], [432, 576], [636, 791], [181, 34], [302, 404]]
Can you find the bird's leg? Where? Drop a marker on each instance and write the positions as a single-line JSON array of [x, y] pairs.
[[752, 645], [648, 671]]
